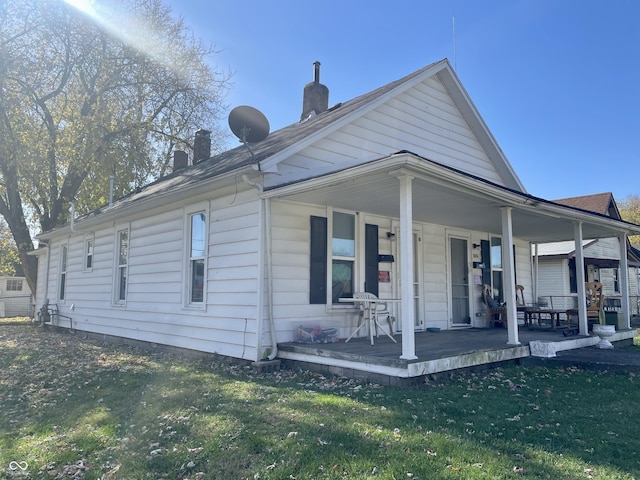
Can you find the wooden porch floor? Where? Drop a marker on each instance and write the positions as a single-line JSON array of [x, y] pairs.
[[436, 351]]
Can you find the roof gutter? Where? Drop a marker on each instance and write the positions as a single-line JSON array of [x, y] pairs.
[[134, 206]]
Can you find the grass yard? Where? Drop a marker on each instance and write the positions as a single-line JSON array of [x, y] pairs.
[[78, 409]]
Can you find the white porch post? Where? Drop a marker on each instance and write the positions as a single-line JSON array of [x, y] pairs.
[[536, 265], [582, 293], [624, 281], [406, 268], [509, 277]]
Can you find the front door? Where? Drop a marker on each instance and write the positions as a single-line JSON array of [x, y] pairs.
[[459, 275]]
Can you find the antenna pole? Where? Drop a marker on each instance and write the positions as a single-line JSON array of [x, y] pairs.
[[453, 27]]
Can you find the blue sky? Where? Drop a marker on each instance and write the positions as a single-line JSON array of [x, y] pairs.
[[556, 81]]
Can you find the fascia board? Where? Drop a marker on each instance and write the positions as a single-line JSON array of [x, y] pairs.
[[465, 104], [158, 200]]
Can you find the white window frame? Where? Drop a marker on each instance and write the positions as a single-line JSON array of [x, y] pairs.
[[62, 272], [88, 255], [356, 259], [119, 266], [189, 259], [14, 285]]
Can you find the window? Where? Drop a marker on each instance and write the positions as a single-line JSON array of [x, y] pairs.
[[496, 268], [88, 254], [343, 253], [122, 262], [197, 249], [616, 280], [332, 257], [63, 272], [14, 285]]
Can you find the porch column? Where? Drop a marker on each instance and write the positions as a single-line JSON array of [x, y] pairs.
[[582, 292], [508, 271], [536, 265], [624, 281], [406, 269]]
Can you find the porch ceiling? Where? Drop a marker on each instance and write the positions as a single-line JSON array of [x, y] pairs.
[[451, 199]]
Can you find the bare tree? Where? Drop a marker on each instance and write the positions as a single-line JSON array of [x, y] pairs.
[[86, 93]]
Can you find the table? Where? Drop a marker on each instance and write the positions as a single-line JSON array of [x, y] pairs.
[[370, 309], [554, 314]]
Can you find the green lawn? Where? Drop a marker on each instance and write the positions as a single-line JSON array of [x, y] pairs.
[[77, 409]]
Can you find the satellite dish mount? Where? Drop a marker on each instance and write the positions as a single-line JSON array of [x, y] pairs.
[[249, 125]]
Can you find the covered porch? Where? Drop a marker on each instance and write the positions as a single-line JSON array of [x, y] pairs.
[[436, 352], [412, 189]]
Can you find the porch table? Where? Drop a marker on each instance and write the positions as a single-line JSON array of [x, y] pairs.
[[554, 315], [370, 312]]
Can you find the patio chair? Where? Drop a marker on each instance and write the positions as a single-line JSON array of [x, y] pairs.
[[520, 296], [520, 305], [496, 313], [595, 303], [381, 310]]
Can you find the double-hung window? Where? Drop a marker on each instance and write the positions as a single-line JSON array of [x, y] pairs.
[[343, 255], [197, 228], [332, 258], [63, 272], [122, 260], [496, 267], [88, 254]]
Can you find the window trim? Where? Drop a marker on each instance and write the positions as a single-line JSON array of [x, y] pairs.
[[117, 266], [88, 239], [188, 214], [12, 285], [342, 258], [63, 265]]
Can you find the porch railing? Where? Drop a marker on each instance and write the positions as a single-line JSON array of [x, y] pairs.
[[611, 303]]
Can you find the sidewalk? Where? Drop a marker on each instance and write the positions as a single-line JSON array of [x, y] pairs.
[[620, 358]]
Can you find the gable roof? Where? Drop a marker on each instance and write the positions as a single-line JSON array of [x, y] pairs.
[[602, 203], [344, 113], [280, 144]]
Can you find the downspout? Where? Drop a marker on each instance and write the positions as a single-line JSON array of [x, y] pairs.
[[266, 207], [72, 211], [46, 276]]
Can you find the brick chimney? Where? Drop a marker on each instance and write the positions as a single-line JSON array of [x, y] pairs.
[[201, 145], [315, 99], [180, 160]]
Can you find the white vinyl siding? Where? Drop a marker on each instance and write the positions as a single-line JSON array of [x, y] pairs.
[[155, 292], [423, 120]]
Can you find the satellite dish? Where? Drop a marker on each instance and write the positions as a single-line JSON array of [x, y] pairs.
[[248, 124]]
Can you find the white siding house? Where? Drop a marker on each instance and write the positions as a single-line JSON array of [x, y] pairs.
[[556, 261], [402, 191]]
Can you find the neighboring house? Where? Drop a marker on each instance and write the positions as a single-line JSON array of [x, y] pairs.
[[402, 192], [15, 296], [556, 262]]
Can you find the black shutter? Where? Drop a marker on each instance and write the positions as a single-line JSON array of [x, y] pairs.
[[318, 261], [371, 259], [485, 250]]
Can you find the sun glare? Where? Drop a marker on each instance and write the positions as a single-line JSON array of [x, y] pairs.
[[84, 6], [129, 29]]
